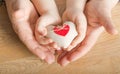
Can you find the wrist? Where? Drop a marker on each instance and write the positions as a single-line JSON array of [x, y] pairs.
[[49, 11], [79, 4], [44, 6], [52, 14], [74, 9]]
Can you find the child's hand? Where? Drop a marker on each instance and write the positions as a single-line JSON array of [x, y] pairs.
[[41, 30], [98, 13], [48, 16], [75, 14]]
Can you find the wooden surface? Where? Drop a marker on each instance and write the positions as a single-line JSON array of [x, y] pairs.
[[104, 58]]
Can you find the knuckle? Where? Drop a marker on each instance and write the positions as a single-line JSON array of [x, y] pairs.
[[40, 30]]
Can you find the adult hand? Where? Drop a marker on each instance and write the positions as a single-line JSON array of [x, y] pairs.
[[98, 12], [98, 16], [23, 17], [82, 48]]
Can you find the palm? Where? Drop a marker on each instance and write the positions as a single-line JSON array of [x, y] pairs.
[[78, 18], [82, 48], [98, 13], [93, 13], [23, 17], [92, 35]]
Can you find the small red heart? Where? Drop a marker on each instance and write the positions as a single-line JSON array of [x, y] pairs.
[[62, 31]]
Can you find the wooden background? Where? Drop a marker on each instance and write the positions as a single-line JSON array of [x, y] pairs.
[[104, 58]]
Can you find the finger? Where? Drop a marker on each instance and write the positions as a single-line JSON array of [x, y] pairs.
[[87, 43], [84, 47], [64, 61], [26, 35], [106, 21], [50, 58], [40, 28], [29, 40], [41, 52], [55, 46], [23, 28], [43, 40], [44, 21], [61, 55], [81, 27], [58, 52]]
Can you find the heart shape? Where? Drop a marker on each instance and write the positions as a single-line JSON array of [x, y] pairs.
[[62, 35], [62, 31]]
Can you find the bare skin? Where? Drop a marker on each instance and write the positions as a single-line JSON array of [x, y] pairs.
[[96, 21], [75, 12], [23, 16], [49, 15], [98, 12]]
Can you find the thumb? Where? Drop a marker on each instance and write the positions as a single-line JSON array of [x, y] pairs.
[[44, 21], [106, 21], [41, 26]]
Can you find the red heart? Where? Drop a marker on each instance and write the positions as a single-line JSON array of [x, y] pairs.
[[62, 31]]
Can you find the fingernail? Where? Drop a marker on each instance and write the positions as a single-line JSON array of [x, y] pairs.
[[40, 54], [64, 62]]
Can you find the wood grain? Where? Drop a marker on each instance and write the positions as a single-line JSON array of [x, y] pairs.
[[104, 58]]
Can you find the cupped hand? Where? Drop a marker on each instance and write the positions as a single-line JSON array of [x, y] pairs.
[[23, 17], [43, 21], [98, 13], [76, 16], [49, 15], [82, 48]]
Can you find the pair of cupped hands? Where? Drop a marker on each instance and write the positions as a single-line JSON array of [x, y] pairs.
[[90, 23]]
